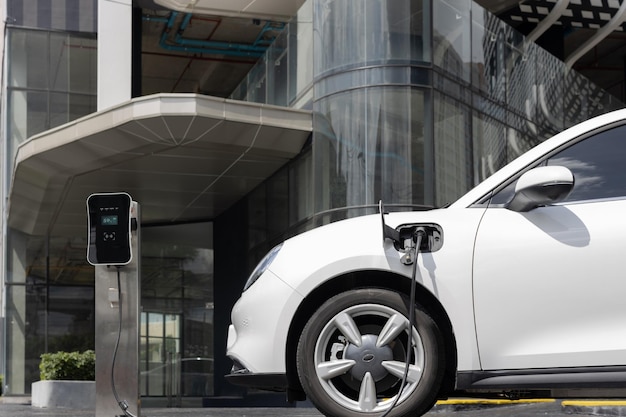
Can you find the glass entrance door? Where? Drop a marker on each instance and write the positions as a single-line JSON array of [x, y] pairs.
[[176, 358], [160, 353]]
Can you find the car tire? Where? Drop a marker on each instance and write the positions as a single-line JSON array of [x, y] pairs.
[[346, 372]]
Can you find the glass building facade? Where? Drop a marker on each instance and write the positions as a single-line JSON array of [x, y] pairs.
[[48, 287], [414, 102], [50, 79]]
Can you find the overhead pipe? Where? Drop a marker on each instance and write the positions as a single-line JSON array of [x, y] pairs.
[[269, 26], [180, 40], [601, 33], [181, 44]]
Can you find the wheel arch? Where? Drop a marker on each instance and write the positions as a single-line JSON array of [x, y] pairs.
[[368, 279]]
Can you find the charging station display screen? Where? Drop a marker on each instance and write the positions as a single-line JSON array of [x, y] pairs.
[[111, 220], [109, 229]]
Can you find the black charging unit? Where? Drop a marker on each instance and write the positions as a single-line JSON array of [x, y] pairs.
[[109, 223]]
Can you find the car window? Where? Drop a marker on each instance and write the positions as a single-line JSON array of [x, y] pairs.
[[597, 164]]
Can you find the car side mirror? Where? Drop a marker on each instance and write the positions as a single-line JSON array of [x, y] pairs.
[[540, 187]]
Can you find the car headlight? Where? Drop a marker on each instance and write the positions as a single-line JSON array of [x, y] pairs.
[[262, 266]]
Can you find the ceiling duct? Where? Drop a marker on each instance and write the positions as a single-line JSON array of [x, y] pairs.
[[278, 10]]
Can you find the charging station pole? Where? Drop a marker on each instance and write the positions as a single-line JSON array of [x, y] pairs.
[[117, 308]]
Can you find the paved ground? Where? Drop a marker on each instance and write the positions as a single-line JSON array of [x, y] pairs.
[[457, 408]]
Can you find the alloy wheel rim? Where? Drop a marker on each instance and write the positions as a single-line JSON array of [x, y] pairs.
[[360, 357]]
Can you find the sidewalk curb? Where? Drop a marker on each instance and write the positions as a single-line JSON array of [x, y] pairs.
[[15, 399], [465, 404], [595, 407], [599, 407]]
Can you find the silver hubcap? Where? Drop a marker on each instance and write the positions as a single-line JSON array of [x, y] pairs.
[[360, 357]]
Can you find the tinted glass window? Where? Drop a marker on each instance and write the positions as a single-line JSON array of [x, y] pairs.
[[597, 164]]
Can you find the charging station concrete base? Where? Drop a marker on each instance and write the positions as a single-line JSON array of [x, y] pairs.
[[126, 370]]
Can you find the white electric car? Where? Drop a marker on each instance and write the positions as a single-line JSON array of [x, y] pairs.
[[519, 286]]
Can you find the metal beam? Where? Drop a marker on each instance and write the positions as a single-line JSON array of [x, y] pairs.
[[599, 36], [551, 18]]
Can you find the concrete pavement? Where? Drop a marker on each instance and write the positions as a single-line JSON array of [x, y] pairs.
[[452, 408]]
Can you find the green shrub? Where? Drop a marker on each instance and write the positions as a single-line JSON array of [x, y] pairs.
[[74, 366]]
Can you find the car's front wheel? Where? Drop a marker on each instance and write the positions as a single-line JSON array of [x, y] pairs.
[[352, 355]]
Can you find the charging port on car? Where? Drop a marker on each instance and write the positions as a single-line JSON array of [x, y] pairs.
[[431, 242]]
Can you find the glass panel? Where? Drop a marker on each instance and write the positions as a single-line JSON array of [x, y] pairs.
[[489, 143], [83, 57], [60, 49], [257, 80], [521, 136], [54, 317], [71, 320], [38, 82], [159, 353], [278, 71], [59, 113], [520, 63], [143, 358], [452, 37], [26, 258], [29, 52], [73, 65], [81, 105], [257, 216], [177, 290], [28, 115], [172, 330], [576, 98], [549, 94], [370, 145], [291, 58], [68, 263], [155, 329], [372, 32], [156, 368], [25, 336], [278, 204], [300, 189], [487, 54], [453, 159], [143, 327]]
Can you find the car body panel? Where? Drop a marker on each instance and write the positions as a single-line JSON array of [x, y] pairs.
[[559, 300]]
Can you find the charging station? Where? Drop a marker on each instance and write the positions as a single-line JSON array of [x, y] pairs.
[[113, 239]]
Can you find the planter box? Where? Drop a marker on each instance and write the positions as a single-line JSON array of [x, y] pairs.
[[64, 394]]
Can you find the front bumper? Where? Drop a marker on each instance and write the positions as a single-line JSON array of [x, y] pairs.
[[257, 337], [267, 382]]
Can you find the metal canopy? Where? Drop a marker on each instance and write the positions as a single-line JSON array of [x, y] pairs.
[[183, 157]]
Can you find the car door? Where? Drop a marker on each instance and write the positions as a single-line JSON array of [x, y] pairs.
[[550, 284]]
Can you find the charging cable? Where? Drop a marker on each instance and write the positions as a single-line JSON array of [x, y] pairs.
[[122, 403], [418, 235]]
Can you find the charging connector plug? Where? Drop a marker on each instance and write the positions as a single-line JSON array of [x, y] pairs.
[[412, 244], [408, 258], [418, 235]]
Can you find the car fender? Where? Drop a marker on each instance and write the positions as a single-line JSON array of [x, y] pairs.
[[355, 245]]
